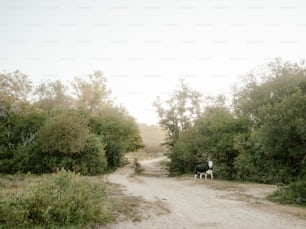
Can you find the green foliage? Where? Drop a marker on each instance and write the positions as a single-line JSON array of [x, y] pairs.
[[65, 133], [65, 199], [17, 138], [118, 131], [20, 129], [295, 193], [211, 138], [93, 160], [18, 122], [6, 160], [178, 113], [90, 161], [52, 96], [92, 93], [246, 162], [64, 140], [275, 107], [14, 92], [263, 140], [52, 130]]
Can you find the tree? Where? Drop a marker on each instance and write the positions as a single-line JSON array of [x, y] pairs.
[[52, 96], [119, 132], [14, 91], [50, 131], [178, 113], [211, 138], [66, 133], [92, 93], [65, 141], [267, 87], [19, 121], [275, 107]]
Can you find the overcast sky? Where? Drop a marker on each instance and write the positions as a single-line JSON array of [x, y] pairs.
[[144, 47]]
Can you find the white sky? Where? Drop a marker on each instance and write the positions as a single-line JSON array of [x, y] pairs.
[[144, 47]]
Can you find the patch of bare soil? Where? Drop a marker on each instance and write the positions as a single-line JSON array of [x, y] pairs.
[[133, 208], [156, 167], [129, 207], [187, 203]]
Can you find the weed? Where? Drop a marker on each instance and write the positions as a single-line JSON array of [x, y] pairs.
[[63, 199]]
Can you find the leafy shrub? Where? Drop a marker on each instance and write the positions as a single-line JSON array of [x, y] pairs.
[[6, 160], [66, 133], [119, 131], [295, 193], [65, 199], [90, 161], [93, 159]]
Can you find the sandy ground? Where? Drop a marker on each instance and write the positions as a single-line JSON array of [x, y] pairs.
[[205, 203]]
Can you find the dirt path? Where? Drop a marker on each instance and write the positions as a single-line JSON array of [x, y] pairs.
[[205, 204]]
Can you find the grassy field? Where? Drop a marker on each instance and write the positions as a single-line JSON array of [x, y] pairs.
[[65, 200]]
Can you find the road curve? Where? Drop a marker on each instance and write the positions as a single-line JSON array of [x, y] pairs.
[[206, 204]]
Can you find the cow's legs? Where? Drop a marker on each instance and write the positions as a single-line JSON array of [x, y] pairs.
[[210, 172], [201, 176]]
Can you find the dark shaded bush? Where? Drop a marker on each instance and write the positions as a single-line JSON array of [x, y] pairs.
[[93, 160], [211, 138], [295, 193]]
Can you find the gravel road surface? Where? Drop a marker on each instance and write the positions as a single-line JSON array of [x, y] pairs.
[[204, 203]]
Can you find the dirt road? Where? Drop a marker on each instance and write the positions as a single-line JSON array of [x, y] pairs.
[[205, 204]]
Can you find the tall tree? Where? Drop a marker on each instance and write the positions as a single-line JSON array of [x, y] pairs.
[[92, 93], [15, 89], [178, 112], [53, 96], [275, 105]]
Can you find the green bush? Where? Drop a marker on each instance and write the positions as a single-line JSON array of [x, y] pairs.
[[65, 199], [294, 193], [119, 131], [93, 159], [66, 133]]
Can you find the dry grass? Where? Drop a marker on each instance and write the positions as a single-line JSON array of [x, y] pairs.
[[123, 207]]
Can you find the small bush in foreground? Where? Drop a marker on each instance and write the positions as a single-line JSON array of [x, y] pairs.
[[64, 199], [295, 193]]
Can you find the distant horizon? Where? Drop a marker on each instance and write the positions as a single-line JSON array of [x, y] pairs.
[[144, 48]]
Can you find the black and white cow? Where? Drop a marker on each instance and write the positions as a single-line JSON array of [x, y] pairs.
[[204, 168]]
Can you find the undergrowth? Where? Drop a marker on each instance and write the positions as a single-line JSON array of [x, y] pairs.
[[53, 201], [294, 193]]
